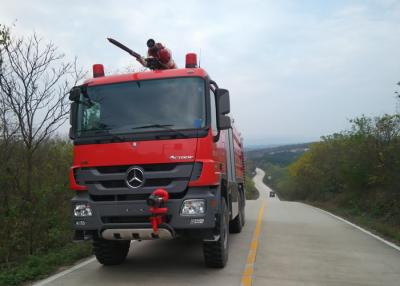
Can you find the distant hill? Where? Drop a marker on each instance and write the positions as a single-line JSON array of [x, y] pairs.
[[248, 148], [277, 155]]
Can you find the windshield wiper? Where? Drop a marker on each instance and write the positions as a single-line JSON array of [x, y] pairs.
[[163, 126], [114, 137], [154, 125]]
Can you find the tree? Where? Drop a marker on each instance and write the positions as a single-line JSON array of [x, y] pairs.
[[35, 79]]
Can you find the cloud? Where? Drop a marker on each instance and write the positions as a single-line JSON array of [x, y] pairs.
[[294, 69]]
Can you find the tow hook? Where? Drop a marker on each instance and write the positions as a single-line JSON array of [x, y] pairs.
[[157, 207]]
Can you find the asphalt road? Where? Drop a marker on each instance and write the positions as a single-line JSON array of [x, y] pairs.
[[286, 244]]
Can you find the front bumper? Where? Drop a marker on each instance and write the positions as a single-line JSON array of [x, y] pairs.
[[134, 214]]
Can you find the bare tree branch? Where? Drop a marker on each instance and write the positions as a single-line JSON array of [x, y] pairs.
[[34, 84]]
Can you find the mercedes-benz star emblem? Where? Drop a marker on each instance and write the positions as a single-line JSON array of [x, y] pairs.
[[135, 177]]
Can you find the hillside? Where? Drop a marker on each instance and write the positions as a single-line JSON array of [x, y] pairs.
[[281, 156], [353, 173]]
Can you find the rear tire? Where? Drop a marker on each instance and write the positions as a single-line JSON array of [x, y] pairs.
[[110, 252], [216, 252]]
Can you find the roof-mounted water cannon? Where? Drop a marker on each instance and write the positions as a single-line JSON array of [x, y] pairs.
[[191, 60], [161, 53], [158, 56], [150, 43]]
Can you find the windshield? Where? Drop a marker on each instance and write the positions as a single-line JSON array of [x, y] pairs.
[[141, 106]]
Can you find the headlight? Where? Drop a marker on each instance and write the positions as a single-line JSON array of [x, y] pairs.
[[193, 207], [82, 210]]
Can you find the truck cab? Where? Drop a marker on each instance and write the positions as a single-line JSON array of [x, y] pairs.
[[140, 132]]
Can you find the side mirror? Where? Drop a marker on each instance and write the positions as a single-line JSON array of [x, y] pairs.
[[75, 93], [223, 107], [224, 122], [223, 103], [72, 119]]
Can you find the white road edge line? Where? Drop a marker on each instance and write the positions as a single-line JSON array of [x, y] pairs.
[[65, 272], [359, 228]]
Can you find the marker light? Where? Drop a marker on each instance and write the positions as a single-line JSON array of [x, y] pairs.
[[98, 70], [191, 60]]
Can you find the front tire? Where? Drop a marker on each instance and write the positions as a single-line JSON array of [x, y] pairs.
[[216, 252], [110, 252]]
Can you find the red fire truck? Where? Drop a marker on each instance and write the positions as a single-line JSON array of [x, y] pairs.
[[155, 157]]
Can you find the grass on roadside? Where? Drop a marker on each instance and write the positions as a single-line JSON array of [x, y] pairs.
[[38, 266], [250, 189]]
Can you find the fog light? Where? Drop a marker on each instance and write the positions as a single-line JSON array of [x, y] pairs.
[[193, 207], [82, 210]]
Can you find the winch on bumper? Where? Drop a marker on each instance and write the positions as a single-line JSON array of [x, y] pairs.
[[130, 220]]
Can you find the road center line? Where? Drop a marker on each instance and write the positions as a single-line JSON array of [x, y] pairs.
[[247, 276]]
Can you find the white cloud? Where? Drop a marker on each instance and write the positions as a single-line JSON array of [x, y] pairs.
[[294, 69]]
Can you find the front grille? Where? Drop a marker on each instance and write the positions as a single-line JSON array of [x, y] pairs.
[[124, 168], [157, 182], [131, 197], [113, 184], [111, 180], [148, 183]]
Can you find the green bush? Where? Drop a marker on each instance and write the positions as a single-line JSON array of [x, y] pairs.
[[356, 170], [39, 221], [353, 173], [250, 189], [35, 237], [36, 266]]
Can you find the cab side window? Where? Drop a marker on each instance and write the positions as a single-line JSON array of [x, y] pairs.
[[213, 111]]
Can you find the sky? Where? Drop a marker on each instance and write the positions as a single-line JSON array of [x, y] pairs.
[[296, 70]]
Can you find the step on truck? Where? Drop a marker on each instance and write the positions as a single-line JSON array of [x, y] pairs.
[[156, 156]]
